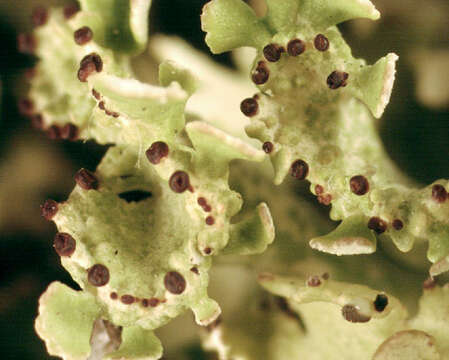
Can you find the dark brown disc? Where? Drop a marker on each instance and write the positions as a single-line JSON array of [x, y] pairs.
[[272, 52], [83, 35], [377, 224], [267, 147], [70, 10], [156, 152], [89, 64], [321, 42], [296, 47], [64, 244], [381, 302], [359, 185], [127, 299], [299, 169], [261, 74], [439, 193], [49, 209], [174, 282], [352, 314], [179, 181], [98, 275], [397, 224], [337, 79], [249, 107], [86, 179], [39, 16], [69, 132]]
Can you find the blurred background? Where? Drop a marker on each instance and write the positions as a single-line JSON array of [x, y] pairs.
[[415, 130]]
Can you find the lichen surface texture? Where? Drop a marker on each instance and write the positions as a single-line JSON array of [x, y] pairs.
[[166, 219]]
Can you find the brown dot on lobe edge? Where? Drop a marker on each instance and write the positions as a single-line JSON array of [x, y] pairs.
[[53, 132], [397, 224], [49, 209], [156, 152], [127, 299], [70, 10], [299, 169], [37, 122], [69, 132], [26, 43], [249, 107], [296, 47], [25, 107], [429, 283], [208, 251], [98, 275], [86, 179], [439, 193], [352, 314], [261, 74], [377, 224], [179, 181], [96, 94], [39, 16], [325, 199], [153, 302], [272, 52], [337, 79], [267, 147], [174, 282], [313, 281], [381, 302], [83, 35], [359, 185], [89, 64], [321, 42], [64, 244]]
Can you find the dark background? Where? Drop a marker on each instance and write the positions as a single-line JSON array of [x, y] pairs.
[[34, 168]]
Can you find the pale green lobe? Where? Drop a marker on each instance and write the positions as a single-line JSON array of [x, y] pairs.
[[375, 83], [169, 72], [57, 93], [215, 149], [139, 242], [137, 344], [66, 320], [410, 345], [252, 235], [338, 293], [284, 15], [351, 237], [322, 14], [126, 33], [433, 317], [144, 113], [214, 81], [304, 322], [231, 24]]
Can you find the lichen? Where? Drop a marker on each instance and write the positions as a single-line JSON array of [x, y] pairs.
[[138, 234], [314, 108]]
